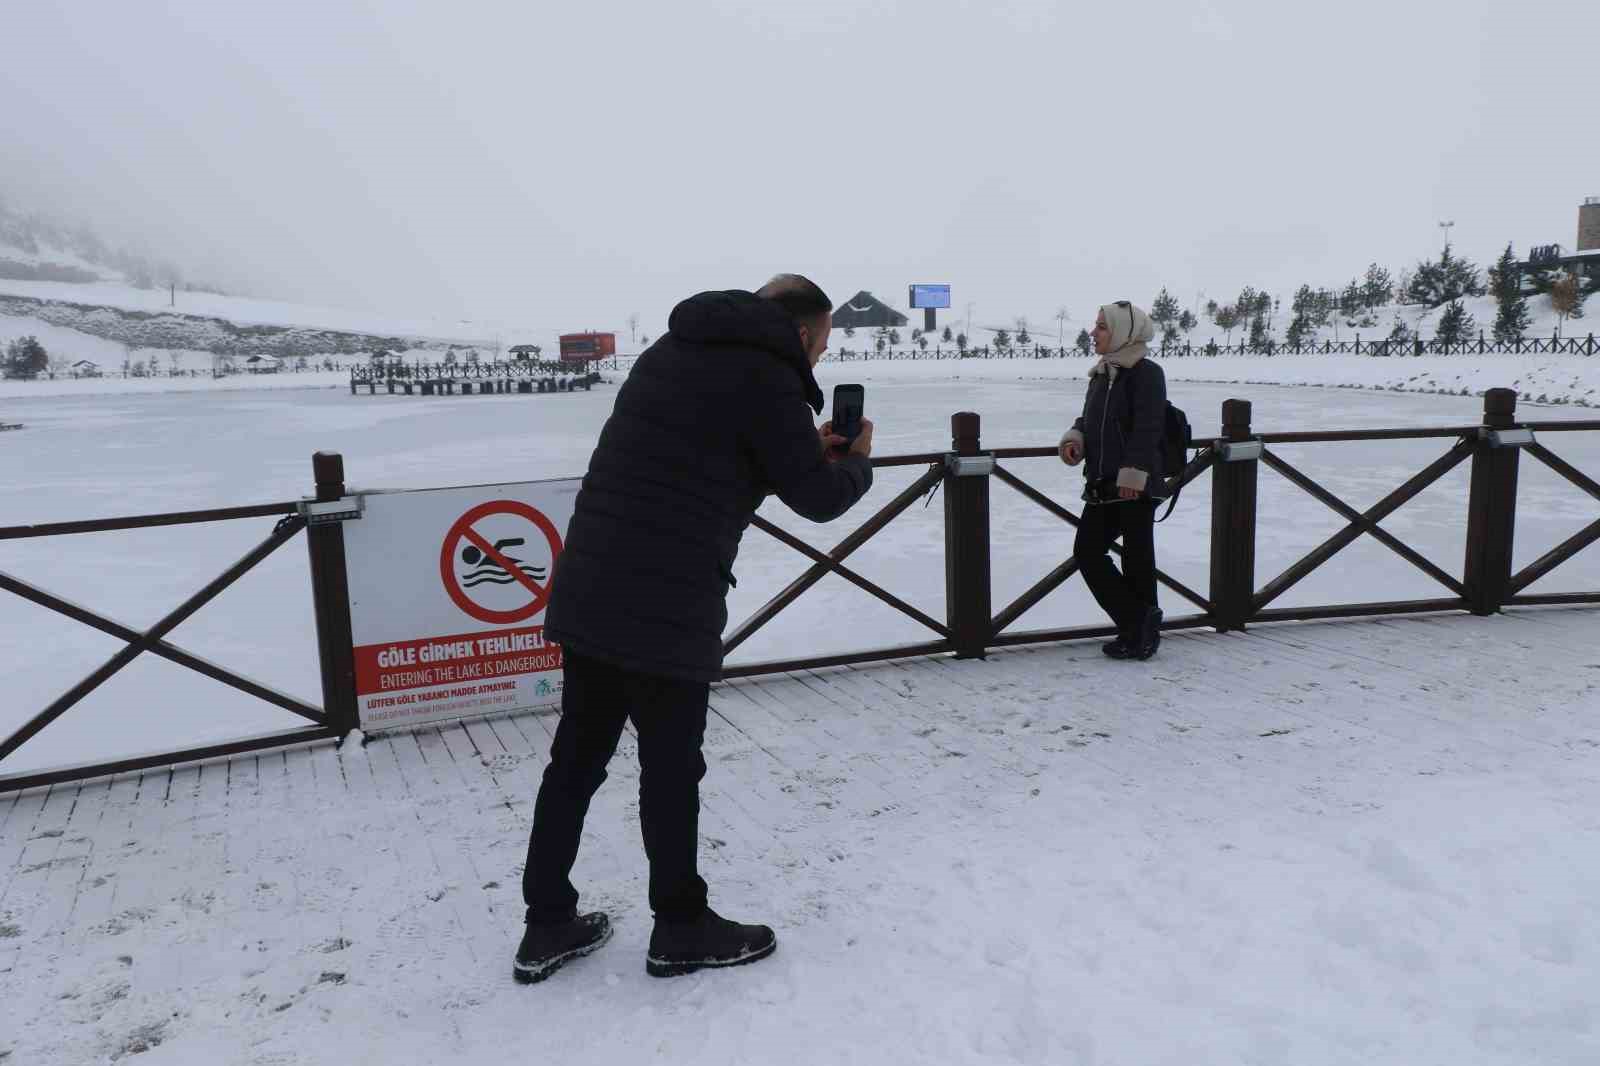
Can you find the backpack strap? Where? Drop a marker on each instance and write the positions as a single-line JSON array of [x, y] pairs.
[[1172, 501]]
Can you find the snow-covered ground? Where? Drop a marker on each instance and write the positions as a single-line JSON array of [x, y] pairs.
[[1327, 845], [1376, 889], [1546, 379]]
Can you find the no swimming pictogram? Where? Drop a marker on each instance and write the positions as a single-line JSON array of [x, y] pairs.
[[497, 560]]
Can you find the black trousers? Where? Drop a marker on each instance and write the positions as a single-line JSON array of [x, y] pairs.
[[669, 717], [1124, 595]]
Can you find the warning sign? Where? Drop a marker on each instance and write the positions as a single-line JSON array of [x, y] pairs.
[[448, 589], [489, 575]]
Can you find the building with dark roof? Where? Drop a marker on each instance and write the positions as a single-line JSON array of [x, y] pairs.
[[1585, 262], [866, 310]]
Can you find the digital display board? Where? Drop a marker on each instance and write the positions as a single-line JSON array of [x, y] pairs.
[[930, 296]]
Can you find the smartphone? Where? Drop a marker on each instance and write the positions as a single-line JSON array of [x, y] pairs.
[[848, 401]]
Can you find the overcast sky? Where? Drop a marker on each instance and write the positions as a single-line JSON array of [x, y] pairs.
[[562, 164]]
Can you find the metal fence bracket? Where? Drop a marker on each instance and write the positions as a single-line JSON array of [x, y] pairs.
[[969, 465], [1507, 438], [1239, 451], [321, 513]]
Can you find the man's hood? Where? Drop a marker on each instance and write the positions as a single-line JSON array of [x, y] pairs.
[[738, 319]]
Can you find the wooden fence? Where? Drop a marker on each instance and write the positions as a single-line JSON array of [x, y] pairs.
[[971, 625], [443, 379], [1381, 348]]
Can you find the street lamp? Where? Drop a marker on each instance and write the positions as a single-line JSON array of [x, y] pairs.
[[1445, 226]]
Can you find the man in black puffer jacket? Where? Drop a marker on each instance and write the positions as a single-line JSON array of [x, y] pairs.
[[714, 417]]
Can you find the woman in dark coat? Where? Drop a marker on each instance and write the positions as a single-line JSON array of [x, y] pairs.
[[1118, 438]]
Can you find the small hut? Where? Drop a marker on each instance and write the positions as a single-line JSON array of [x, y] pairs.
[[866, 310]]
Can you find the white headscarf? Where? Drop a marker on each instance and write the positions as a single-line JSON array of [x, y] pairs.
[[1131, 333]]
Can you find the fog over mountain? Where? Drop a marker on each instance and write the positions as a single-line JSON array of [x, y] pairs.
[[563, 165]]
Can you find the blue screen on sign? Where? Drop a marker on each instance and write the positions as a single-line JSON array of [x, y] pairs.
[[930, 296]]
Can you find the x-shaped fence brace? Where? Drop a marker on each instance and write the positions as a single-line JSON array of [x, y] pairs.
[[832, 562], [1573, 544], [151, 640], [1057, 577], [1362, 522]]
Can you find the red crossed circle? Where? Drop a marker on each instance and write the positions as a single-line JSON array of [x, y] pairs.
[[462, 529]]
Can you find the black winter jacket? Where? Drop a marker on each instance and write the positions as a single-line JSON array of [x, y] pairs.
[[715, 416], [1122, 421]]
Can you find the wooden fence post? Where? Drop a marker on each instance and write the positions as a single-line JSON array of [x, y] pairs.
[[966, 545], [1233, 525], [1492, 509], [330, 599]]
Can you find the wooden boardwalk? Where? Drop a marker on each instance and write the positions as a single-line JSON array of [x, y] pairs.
[[240, 907]]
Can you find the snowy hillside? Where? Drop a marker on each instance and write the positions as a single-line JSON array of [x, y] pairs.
[[1418, 321], [109, 307]]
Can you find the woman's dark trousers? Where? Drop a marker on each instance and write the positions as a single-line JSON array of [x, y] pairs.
[[1127, 594], [669, 718]]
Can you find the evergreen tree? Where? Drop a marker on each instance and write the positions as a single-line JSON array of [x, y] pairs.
[[1456, 325], [894, 337], [1299, 330], [1258, 333], [1400, 333], [1303, 307], [1002, 341], [922, 341], [1376, 287], [1226, 318], [1512, 318], [947, 337], [1164, 313], [26, 358], [1083, 342], [961, 343], [1212, 309], [1449, 279], [1350, 303], [1187, 322], [1246, 307], [1022, 332]]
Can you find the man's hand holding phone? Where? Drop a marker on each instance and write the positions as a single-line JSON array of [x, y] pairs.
[[847, 427], [834, 446]]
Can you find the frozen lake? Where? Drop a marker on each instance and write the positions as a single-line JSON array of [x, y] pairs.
[[113, 455]]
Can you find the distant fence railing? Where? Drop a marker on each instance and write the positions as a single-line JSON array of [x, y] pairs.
[[970, 625], [1415, 346], [516, 375]]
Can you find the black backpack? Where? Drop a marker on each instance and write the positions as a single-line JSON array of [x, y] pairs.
[[1173, 448], [1176, 441]]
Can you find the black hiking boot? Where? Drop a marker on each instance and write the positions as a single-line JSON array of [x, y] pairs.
[[546, 947], [1121, 648], [1149, 634], [704, 943]]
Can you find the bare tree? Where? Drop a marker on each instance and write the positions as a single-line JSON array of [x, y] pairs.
[[1566, 296]]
